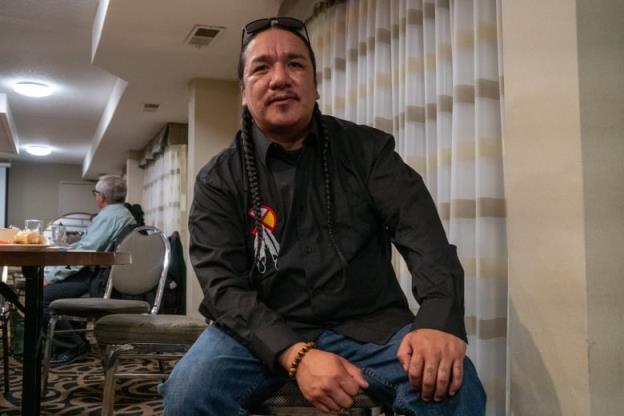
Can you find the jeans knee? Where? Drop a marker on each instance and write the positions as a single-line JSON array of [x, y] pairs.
[[470, 400], [203, 387], [184, 396], [472, 386], [217, 376]]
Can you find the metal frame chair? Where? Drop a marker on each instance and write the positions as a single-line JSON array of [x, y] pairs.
[[4, 319], [6, 314], [75, 224], [73, 221], [288, 401], [9, 301], [128, 336], [144, 245]]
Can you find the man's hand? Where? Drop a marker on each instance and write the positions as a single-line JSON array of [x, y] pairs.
[[434, 362], [326, 380]]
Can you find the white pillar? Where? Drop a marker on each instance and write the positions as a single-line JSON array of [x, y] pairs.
[[214, 114], [134, 179]]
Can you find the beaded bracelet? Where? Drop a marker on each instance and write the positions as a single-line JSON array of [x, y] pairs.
[[292, 370]]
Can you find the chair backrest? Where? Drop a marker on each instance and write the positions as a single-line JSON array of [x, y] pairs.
[[151, 255], [76, 223], [73, 221]]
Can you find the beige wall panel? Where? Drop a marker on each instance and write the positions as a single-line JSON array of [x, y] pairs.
[[214, 114], [601, 73], [544, 191]]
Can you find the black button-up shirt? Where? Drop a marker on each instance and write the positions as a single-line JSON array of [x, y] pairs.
[[379, 200]]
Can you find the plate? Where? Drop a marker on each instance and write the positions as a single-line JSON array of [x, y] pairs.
[[25, 247]]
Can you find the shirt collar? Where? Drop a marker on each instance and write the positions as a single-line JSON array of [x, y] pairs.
[[263, 144]]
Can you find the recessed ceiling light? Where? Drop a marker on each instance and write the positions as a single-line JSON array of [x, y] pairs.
[[32, 89], [38, 150]]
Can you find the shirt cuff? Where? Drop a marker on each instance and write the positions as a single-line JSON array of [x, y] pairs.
[[268, 342], [443, 314]]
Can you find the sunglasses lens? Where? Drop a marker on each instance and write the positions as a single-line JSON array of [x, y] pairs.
[[262, 24], [257, 25], [290, 23]]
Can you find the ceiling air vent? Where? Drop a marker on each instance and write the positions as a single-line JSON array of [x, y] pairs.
[[202, 35], [150, 107]]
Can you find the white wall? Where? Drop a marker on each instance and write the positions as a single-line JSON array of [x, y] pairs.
[[33, 190], [301, 9]]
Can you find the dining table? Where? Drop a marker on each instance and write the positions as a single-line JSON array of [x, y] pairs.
[[33, 258]]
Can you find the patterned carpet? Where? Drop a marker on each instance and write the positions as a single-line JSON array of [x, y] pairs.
[[76, 389]]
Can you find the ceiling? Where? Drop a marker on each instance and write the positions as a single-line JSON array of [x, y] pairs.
[[104, 60]]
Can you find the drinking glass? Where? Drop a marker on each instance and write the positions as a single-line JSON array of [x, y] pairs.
[[58, 234], [33, 225]]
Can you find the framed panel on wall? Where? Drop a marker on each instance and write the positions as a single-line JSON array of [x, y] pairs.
[[76, 197]]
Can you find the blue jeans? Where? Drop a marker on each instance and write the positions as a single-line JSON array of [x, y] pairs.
[[219, 376], [73, 286]]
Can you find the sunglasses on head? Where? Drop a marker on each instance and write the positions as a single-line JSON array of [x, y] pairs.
[[289, 23]]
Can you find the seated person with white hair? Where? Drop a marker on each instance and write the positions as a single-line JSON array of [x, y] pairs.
[[70, 282]]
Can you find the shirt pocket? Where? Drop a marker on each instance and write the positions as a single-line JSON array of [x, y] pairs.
[[355, 219]]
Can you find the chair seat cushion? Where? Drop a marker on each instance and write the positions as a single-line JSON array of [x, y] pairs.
[[160, 329], [97, 307]]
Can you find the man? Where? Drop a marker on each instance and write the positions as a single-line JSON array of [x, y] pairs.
[[290, 239], [72, 282]]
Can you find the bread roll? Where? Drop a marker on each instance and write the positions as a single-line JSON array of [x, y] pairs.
[[29, 237]]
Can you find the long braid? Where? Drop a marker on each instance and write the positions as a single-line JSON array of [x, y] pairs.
[[327, 179], [251, 172]]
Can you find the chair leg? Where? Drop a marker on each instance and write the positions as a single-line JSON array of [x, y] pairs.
[[5, 354], [161, 368], [110, 364], [46, 354]]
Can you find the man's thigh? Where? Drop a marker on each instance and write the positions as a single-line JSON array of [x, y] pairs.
[[72, 287], [217, 376], [389, 383], [379, 363]]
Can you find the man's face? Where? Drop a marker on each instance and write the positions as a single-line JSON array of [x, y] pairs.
[[99, 199], [278, 83]]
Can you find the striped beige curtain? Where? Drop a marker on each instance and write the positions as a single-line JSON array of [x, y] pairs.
[[428, 72], [164, 190]]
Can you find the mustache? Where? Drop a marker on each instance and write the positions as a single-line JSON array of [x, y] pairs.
[[282, 96]]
